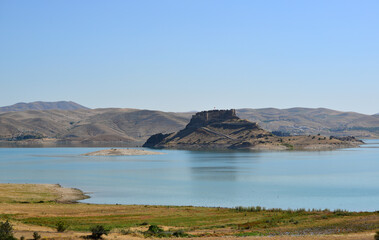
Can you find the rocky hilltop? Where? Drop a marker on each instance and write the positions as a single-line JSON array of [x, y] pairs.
[[223, 129]]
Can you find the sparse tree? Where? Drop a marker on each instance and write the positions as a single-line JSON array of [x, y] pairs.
[[98, 231], [36, 236], [6, 231]]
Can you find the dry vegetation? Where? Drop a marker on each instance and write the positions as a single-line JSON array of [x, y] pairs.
[[34, 208]]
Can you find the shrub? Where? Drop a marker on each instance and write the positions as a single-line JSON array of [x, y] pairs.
[[376, 236], [36, 236], [98, 231], [61, 226], [125, 231], [179, 233], [6, 231], [249, 209], [154, 229], [341, 212]]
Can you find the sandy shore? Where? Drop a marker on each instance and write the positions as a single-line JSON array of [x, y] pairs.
[[121, 152]]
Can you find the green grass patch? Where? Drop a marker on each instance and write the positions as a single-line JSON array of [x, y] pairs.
[[242, 220], [247, 234]]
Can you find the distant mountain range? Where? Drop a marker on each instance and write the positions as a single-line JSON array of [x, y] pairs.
[[67, 122], [62, 105], [131, 126], [303, 121]]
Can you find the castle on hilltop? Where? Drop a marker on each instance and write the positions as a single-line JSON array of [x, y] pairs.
[[205, 117], [216, 114]]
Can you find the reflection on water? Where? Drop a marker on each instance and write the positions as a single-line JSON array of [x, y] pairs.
[[346, 178]]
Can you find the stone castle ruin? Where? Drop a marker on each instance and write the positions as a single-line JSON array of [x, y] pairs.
[[207, 117]]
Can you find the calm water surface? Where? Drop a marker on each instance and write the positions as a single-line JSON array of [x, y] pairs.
[[346, 178]]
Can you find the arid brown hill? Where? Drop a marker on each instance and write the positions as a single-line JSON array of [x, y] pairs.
[[62, 105], [222, 129], [130, 127], [305, 121]]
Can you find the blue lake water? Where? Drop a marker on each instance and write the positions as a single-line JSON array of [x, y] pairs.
[[344, 179]]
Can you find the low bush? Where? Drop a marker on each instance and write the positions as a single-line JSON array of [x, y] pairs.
[[98, 231], [179, 233], [249, 209], [341, 212], [155, 231], [61, 226]]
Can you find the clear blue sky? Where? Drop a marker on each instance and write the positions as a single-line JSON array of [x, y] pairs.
[[192, 55]]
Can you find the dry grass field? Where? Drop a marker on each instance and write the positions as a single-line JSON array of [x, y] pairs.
[[32, 208]]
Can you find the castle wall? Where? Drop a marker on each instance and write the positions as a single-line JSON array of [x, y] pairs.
[[205, 117]]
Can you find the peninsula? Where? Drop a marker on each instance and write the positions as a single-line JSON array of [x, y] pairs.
[[223, 129]]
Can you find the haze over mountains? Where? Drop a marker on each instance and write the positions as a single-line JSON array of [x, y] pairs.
[[62, 105], [133, 126], [303, 121]]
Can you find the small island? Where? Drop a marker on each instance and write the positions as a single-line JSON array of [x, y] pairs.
[[121, 152], [223, 129]]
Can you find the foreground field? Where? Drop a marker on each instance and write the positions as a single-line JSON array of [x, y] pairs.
[[32, 208]]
